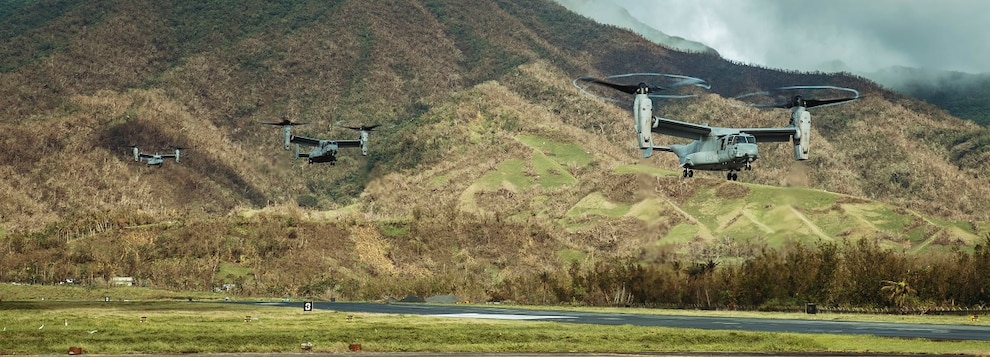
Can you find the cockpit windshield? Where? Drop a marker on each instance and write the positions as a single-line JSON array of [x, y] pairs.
[[742, 139]]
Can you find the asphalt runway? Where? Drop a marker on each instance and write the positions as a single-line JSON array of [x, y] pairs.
[[902, 330]]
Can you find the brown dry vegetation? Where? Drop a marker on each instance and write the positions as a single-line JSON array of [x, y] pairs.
[[456, 86]]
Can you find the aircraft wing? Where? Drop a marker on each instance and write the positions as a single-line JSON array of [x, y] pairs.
[[145, 156], [348, 143], [680, 129], [167, 156], [771, 135], [304, 140]]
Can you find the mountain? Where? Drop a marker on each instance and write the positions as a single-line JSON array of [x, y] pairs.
[[620, 17], [491, 166]]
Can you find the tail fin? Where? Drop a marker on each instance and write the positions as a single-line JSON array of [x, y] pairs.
[[647, 152]]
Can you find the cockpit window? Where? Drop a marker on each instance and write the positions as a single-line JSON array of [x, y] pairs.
[[740, 139], [743, 139]]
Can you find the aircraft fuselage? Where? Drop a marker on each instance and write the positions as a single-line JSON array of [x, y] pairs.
[[725, 153], [330, 157]]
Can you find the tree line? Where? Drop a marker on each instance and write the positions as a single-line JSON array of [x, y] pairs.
[[488, 260], [850, 274]]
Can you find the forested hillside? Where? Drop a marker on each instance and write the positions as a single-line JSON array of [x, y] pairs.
[[490, 168]]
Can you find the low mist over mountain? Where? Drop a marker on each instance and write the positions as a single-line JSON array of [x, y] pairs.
[[965, 95], [620, 17], [490, 166]]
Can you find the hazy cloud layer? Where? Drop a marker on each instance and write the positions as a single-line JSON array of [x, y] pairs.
[[855, 35]]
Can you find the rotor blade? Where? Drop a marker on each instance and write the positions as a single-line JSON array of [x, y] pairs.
[[284, 122], [805, 102], [672, 96], [642, 87], [811, 103], [850, 90], [741, 97], [784, 105], [684, 80], [628, 89], [364, 127]]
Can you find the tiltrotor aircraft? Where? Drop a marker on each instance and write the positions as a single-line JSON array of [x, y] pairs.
[[716, 148], [323, 150], [326, 150], [155, 159]]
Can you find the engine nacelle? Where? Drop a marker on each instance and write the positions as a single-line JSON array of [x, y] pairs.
[[802, 143], [286, 135], [137, 153], [643, 113], [364, 142]]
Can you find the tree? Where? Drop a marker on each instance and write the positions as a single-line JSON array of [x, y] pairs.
[[899, 293]]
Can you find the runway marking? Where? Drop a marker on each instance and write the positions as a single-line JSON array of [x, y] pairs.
[[474, 315]]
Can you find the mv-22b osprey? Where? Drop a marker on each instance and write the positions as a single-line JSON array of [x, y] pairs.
[[324, 150], [717, 148], [155, 159]]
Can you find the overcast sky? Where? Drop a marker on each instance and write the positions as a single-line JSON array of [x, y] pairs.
[[865, 35]]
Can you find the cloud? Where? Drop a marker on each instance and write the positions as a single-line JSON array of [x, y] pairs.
[[612, 14], [855, 35]]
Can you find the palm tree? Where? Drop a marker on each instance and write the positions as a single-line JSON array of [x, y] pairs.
[[898, 292]]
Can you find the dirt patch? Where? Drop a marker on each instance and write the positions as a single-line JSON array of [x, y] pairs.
[[731, 190]]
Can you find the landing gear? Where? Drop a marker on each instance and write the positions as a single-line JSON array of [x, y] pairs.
[[734, 176], [688, 173]]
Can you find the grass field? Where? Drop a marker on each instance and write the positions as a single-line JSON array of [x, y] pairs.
[[73, 316]]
